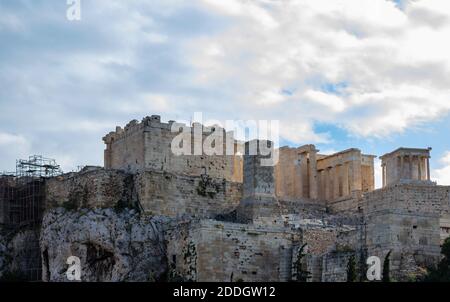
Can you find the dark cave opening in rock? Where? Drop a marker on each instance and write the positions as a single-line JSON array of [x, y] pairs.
[[100, 262]]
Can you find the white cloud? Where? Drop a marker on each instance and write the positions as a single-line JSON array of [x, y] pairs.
[[301, 131], [149, 102], [245, 9], [330, 101], [12, 147], [10, 22], [365, 65], [442, 175], [156, 38], [7, 139]]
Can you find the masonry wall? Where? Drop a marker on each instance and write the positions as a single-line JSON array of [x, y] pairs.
[[329, 242], [405, 219], [163, 193], [444, 220], [90, 188], [159, 156], [158, 193], [319, 240], [126, 152], [147, 145], [305, 208], [180, 238], [349, 204], [334, 266], [258, 198], [237, 252]]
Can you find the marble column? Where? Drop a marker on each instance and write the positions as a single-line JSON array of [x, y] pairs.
[[336, 176], [345, 183], [328, 184], [303, 174], [322, 185], [411, 174], [313, 190], [355, 176], [419, 164]]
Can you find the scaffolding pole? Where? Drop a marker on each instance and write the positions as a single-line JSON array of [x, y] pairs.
[[37, 166], [22, 196]]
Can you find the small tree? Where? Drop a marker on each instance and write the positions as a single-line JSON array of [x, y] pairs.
[[445, 250], [351, 269], [301, 274], [387, 267], [442, 272], [363, 267]]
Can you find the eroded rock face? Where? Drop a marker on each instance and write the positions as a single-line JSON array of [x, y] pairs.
[[20, 255], [112, 246], [3, 254]]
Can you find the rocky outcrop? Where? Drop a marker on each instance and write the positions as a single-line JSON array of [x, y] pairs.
[[20, 255], [111, 245], [3, 254]]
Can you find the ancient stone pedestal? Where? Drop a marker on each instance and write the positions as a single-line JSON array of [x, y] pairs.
[[259, 182]]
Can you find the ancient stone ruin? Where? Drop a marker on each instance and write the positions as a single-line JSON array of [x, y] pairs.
[[151, 215]]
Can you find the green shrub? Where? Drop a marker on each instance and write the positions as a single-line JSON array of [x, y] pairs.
[[442, 272], [386, 268], [351, 270], [301, 274]]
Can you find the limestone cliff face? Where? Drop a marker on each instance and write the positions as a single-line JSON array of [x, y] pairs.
[[112, 246], [3, 254], [19, 255]]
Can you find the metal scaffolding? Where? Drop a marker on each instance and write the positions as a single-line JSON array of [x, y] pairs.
[[7, 197], [37, 166], [29, 192], [22, 197], [27, 207]]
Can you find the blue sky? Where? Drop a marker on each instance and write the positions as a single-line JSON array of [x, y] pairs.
[[371, 74]]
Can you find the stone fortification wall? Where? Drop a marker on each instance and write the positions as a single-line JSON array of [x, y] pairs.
[[148, 145], [154, 192], [163, 193], [219, 251], [90, 188], [405, 219]]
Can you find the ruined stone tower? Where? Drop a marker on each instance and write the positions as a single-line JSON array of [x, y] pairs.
[[148, 146], [259, 182]]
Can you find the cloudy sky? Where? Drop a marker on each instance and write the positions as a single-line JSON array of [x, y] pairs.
[[371, 74]]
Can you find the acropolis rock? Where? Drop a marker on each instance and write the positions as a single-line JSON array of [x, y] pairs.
[[152, 215]]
